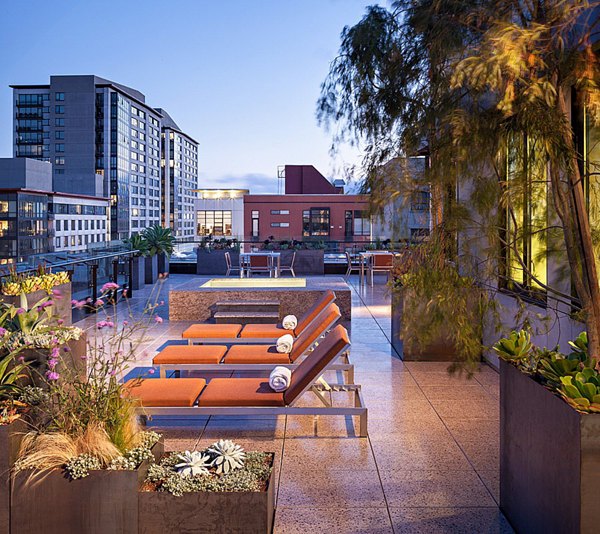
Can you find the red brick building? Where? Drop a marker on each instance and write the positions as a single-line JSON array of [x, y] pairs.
[[311, 208]]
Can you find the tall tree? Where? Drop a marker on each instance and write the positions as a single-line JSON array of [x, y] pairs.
[[486, 86]]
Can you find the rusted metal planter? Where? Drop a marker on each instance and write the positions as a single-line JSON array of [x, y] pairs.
[[62, 306], [104, 501], [215, 512], [10, 440], [549, 459]]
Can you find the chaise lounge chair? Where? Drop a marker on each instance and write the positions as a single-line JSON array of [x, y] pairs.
[[255, 333], [250, 396], [242, 357]]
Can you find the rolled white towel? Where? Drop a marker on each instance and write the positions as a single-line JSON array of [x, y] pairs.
[[280, 378], [289, 322], [285, 344]]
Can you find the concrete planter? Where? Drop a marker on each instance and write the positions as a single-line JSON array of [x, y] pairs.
[[10, 440], [306, 262], [215, 512], [62, 306], [104, 501], [151, 269], [549, 465], [138, 275], [213, 262]]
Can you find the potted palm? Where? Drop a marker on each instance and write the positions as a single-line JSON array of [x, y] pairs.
[[160, 242], [138, 244]]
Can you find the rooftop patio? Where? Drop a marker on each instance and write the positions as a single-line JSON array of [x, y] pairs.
[[430, 463]]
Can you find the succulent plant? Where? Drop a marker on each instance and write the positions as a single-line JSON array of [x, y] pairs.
[[227, 456], [193, 463], [582, 391]]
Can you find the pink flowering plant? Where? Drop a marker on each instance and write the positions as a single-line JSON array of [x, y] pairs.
[[84, 404]]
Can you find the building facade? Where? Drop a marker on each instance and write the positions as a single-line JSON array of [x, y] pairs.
[[312, 209], [220, 213], [103, 140], [35, 220], [179, 177]]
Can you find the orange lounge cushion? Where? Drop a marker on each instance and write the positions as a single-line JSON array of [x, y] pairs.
[[239, 392], [270, 331], [214, 331], [184, 354], [255, 354], [166, 391]]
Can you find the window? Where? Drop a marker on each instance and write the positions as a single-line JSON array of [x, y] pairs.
[[315, 222], [280, 225], [59, 171], [59, 134], [59, 109], [524, 235], [59, 161], [216, 223], [59, 121], [419, 201], [280, 212], [362, 223], [58, 225], [59, 147], [59, 96]]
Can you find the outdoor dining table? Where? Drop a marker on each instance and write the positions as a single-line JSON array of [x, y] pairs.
[[364, 260], [274, 260]]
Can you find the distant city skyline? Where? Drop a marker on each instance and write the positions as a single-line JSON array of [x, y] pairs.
[[242, 78]]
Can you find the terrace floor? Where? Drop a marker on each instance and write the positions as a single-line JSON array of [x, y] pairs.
[[429, 465]]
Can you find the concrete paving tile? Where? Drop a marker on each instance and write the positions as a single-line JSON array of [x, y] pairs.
[[482, 455], [272, 428], [302, 426], [449, 521], [424, 488], [339, 453], [412, 455], [471, 392], [348, 520], [410, 427], [491, 479], [319, 484], [465, 409]]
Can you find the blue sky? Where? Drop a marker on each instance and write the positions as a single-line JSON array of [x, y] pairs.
[[241, 77]]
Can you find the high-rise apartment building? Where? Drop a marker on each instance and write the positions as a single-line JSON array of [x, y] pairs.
[[103, 140], [179, 175]]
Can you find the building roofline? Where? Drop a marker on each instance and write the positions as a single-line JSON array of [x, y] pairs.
[[129, 95], [49, 193], [180, 132]]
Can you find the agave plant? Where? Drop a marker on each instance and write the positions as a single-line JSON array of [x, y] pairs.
[[517, 348], [137, 242], [160, 240], [582, 391], [193, 463], [227, 456]]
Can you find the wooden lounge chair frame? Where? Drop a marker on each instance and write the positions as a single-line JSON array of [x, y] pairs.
[[359, 409]]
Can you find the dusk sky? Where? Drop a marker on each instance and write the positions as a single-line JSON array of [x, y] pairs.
[[241, 77]]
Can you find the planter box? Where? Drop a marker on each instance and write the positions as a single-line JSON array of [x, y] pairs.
[[151, 269], [306, 262], [549, 462], [62, 307], [104, 501], [440, 350], [10, 440], [138, 275], [163, 263], [213, 262], [215, 512]]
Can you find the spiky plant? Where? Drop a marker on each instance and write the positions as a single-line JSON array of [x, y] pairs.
[[227, 456], [160, 240], [193, 463]]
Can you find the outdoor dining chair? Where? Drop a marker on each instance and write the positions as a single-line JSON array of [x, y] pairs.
[[380, 263], [352, 265], [230, 267], [289, 266], [260, 264]]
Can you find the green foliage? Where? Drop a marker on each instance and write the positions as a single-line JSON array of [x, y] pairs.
[[137, 242], [573, 376], [160, 240], [251, 477]]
